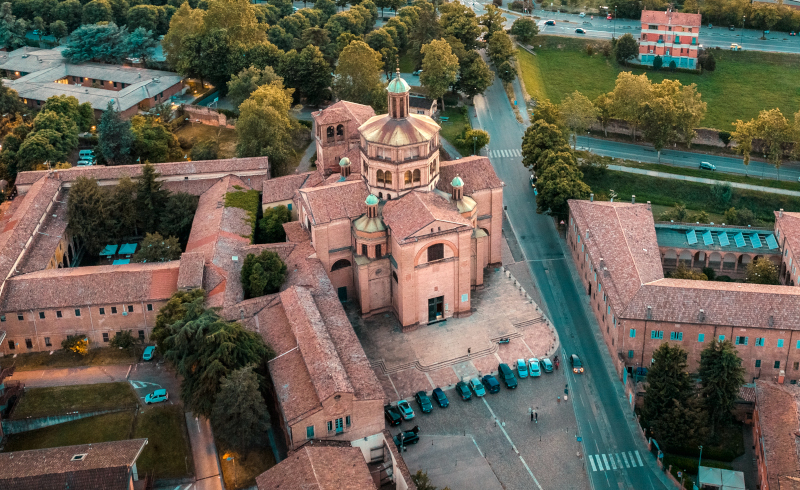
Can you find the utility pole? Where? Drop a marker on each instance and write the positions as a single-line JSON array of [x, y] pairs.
[[615, 21]]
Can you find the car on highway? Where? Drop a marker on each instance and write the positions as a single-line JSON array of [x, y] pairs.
[[416, 73], [580, 31], [405, 410], [575, 362], [392, 415], [491, 384], [148, 353], [535, 368], [522, 368], [463, 390], [507, 374], [440, 397], [424, 402], [731, 28], [156, 396], [547, 365], [477, 387], [707, 166], [609, 17], [582, 15], [735, 47], [405, 438], [550, 22]]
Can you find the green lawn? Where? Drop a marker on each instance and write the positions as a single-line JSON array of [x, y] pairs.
[[744, 82], [102, 356], [454, 127], [167, 454], [103, 428], [695, 196], [40, 402]]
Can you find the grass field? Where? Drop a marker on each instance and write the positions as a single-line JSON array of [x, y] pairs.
[[103, 428], [57, 400], [744, 82], [454, 127], [226, 138], [103, 356]]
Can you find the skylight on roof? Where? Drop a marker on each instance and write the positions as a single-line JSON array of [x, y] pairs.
[[708, 239], [78, 457], [723, 239], [755, 240], [771, 242], [739, 239], [691, 237]]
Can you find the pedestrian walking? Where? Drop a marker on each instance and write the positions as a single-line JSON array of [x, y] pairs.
[[469, 350], [531, 416], [536, 417]]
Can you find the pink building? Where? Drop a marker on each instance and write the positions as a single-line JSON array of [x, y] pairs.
[[671, 35]]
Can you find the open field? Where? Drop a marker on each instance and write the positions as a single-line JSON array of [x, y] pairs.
[[195, 132], [744, 82], [101, 356], [103, 428], [454, 127], [58, 400]]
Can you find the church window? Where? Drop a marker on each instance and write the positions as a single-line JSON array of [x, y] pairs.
[[388, 178], [364, 250], [366, 169], [433, 168], [340, 264], [407, 176], [340, 130], [378, 253], [330, 132], [416, 175], [435, 252], [380, 176]]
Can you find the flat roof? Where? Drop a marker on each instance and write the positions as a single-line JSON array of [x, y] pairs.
[[717, 238]]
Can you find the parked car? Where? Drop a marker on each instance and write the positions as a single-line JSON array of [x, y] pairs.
[[440, 397], [735, 47], [86, 154], [491, 384], [156, 396], [392, 415], [405, 410], [522, 368], [477, 387], [547, 364], [582, 15], [731, 28], [579, 31], [463, 390], [148, 353], [408, 437], [577, 365], [609, 17], [84, 163], [535, 368], [707, 166], [550, 22], [508, 376], [424, 402], [416, 73]]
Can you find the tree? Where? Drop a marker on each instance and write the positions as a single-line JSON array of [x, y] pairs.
[[185, 22], [681, 425], [239, 416], [207, 149], [500, 48], [9, 100], [262, 274], [264, 127], [492, 20], [474, 75], [175, 310], [156, 248], [153, 142], [578, 114], [358, 76], [327, 7], [12, 30], [59, 30], [439, 68], [775, 132], [506, 71], [744, 134], [604, 104], [97, 11], [477, 138], [721, 376], [659, 120], [40, 27], [39, 147], [241, 86], [630, 94], [683, 272], [122, 214], [524, 29], [78, 344], [539, 138], [150, 199], [122, 340], [558, 183], [115, 137], [424, 30], [459, 21], [707, 61], [309, 73], [381, 41], [70, 13], [206, 55], [658, 62], [178, 215], [144, 16], [140, 44], [690, 7], [626, 48], [548, 112], [87, 214], [237, 18], [668, 384], [271, 224], [761, 271], [422, 481], [105, 43], [66, 105]]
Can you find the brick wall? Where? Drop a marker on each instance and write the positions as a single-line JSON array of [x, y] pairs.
[[366, 419]]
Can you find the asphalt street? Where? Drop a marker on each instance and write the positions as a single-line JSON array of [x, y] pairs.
[[605, 420]]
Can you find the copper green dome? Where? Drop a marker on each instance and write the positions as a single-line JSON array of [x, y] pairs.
[[371, 200], [398, 85], [457, 182], [344, 162]]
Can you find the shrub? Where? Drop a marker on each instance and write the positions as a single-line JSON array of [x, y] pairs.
[[710, 274], [205, 150], [78, 344], [725, 137], [123, 340], [516, 5], [262, 274], [722, 193], [590, 49], [270, 226]]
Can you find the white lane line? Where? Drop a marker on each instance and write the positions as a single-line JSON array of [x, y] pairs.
[[625, 458], [591, 460], [633, 461], [613, 464], [605, 460], [512, 444], [638, 458]]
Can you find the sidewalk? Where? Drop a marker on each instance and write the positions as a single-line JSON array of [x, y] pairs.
[[450, 149], [736, 185], [206, 462]]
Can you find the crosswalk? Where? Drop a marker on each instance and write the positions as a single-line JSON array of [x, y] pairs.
[[512, 153], [622, 460]]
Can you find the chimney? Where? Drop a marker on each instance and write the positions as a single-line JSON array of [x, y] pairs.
[[702, 315], [648, 206], [591, 197], [633, 199], [771, 321], [780, 213]]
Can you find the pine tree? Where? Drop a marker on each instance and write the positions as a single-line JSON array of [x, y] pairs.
[[115, 137], [240, 417], [151, 199], [668, 384], [721, 375], [87, 214]]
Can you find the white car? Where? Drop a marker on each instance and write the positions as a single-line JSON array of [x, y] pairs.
[[535, 369], [85, 163], [582, 15]]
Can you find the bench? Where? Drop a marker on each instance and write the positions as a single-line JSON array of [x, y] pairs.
[[444, 119]]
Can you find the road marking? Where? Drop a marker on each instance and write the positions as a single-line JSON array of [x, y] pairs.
[[639, 458], [512, 444], [591, 460], [599, 462], [619, 461], [605, 460], [633, 462], [613, 464], [625, 458]]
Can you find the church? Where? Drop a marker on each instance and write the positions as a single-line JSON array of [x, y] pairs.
[[396, 228]]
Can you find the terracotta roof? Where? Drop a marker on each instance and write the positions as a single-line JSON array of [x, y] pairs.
[[335, 201], [789, 223], [319, 467], [105, 466], [283, 188], [620, 239], [213, 220], [217, 168], [723, 303], [46, 241], [190, 275], [778, 422], [747, 393], [476, 172], [97, 285], [662, 17], [416, 210], [354, 114], [295, 232], [410, 130]]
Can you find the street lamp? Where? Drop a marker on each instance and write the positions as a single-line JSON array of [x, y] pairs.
[[615, 21], [744, 17]]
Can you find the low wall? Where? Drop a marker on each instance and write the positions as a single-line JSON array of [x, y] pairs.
[[204, 115], [25, 425], [705, 136]]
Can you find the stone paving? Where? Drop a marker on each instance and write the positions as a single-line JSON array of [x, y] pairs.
[[452, 461]]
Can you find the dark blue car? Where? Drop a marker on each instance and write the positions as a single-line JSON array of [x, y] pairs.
[[491, 383], [440, 397]]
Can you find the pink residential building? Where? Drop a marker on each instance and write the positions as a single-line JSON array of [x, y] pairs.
[[671, 35]]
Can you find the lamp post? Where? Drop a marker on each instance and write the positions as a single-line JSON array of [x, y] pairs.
[[744, 17], [474, 143], [615, 21], [700, 460]]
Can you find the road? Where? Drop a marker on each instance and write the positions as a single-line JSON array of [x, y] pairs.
[[605, 421]]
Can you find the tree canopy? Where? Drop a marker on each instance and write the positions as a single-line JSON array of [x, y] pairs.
[[358, 76], [721, 376], [156, 248], [439, 68], [262, 274], [239, 415], [265, 127]]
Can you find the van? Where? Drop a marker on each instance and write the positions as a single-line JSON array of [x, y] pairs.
[[86, 155], [508, 376]]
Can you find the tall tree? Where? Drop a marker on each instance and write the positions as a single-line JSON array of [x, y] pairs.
[[658, 121], [540, 138], [122, 213], [681, 425], [775, 133], [761, 272], [501, 48], [174, 310], [97, 11], [140, 44], [492, 20], [424, 30], [474, 75], [309, 73], [237, 18], [721, 376], [270, 226], [185, 22], [269, 271], [150, 199], [668, 383], [12, 30], [153, 142], [156, 248], [626, 48], [439, 68], [115, 138], [59, 30], [242, 85], [744, 134], [265, 127], [578, 114], [103, 43], [559, 182], [178, 215], [459, 21], [87, 214], [604, 105], [239, 416], [9, 100], [630, 94], [358, 76], [524, 29]]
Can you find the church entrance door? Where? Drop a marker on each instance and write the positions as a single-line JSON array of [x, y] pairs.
[[436, 309]]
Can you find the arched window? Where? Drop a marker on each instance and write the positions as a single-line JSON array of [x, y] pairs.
[[388, 178], [340, 130], [388, 197], [380, 176], [330, 132], [407, 177], [416, 175], [380, 195], [436, 252], [340, 264]]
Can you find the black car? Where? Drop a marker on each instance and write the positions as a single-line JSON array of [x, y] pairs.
[[508, 376], [392, 415], [408, 437], [440, 397], [463, 390], [491, 383], [577, 365], [424, 402]]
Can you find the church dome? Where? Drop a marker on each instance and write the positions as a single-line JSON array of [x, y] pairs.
[[457, 182], [398, 86], [371, 200], [344, 162]]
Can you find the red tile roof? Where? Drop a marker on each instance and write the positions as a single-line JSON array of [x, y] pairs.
[[295, 232], [662, 17], [335, 201], [476, 172], [45, 242], [778, 421], [354, 114], [212, 218], [319, 468], [190, 275], [789, 223], [416, 210], [105, 466], [283, 188]]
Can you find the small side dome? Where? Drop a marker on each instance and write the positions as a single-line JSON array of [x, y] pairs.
[[398, 86], [344, 162], [371, 200], [457, 182]]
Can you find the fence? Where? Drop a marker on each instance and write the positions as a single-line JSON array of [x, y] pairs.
[[209, 117]]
